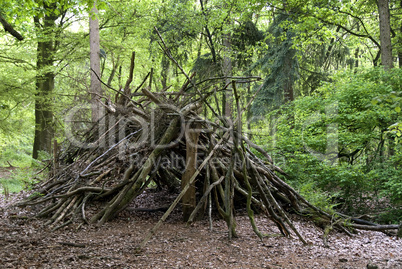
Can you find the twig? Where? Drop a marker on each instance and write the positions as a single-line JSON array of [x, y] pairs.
[[130, 77], [112, 147], [72, 244], [142, 83], [178, 198], [257, 78], [203, 199], [117, 91], [183, 88]]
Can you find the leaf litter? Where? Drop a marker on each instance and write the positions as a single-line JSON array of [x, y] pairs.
[[28, 243]]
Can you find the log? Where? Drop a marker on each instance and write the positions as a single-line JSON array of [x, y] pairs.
[[374, 228]]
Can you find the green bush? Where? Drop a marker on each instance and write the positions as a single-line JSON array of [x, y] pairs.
[[339, 140], [21, 179]]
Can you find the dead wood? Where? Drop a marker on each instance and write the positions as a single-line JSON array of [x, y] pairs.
[[77, 245], [374, 227], [161, 138]]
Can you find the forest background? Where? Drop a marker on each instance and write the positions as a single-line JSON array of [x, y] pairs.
[[327, 108]]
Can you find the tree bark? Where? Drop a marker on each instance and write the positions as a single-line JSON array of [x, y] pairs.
[[289, 80], [385, 34], [227, 100], [9, 28], [44, 127], [165, 71], [400, 46], [96, 89], [189, 199]]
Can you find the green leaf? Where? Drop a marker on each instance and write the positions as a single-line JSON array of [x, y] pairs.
[[398, 109]]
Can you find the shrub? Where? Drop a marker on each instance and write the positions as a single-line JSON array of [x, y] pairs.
[[339, 140]]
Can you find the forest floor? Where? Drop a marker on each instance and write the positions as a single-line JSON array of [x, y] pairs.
[[29, 243]]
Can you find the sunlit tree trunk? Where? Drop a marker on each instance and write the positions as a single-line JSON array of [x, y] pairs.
[[400, 45], [227, 100], [96, 89], [44, 126], [385, 34]]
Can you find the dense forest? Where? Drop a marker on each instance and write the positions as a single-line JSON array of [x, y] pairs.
[[314, 88]]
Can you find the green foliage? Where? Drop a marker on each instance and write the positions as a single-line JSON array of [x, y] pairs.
[[337, 140], [16, 107], [10, 185], [390, 215], [316, 196], [280, 67], [393, 98], [20, 179], [245, 38], [17, 151], [206, 68], [16, 75], [393, 184]]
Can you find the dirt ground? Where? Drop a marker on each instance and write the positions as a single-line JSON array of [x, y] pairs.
[[29, 243]]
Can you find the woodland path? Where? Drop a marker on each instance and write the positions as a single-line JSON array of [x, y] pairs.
[[30, 244]]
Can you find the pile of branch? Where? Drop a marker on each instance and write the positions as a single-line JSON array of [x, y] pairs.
[[169, 137]]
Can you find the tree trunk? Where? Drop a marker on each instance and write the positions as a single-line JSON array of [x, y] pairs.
[[400, 45], [96, 89], [44, 127], [208, 35], [227, 100], [189, 199], [165, 71], [385, 34], [289, 78]]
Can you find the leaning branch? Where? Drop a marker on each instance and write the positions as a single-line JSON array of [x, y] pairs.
[[10, 29]]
